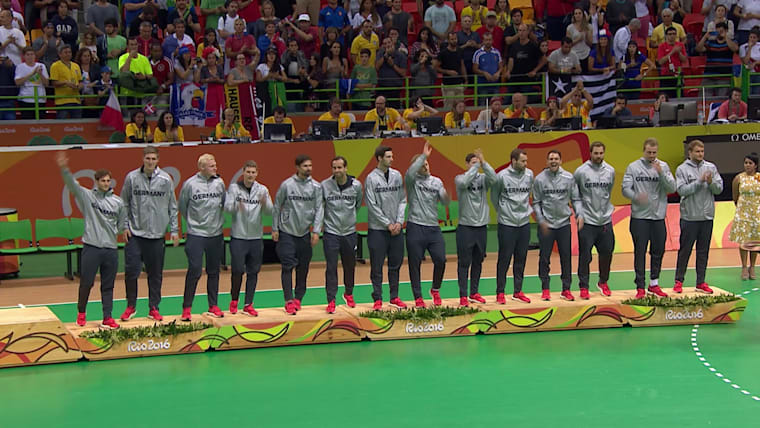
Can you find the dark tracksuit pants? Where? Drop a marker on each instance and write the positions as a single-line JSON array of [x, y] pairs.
[[418, 239], [246, 255], [195, 248], [381, 245], [562, 236], [601, 237], [107, 261], [652, 233], [294, 253], [471, 250], [345, 247], [701, 233], [139, 251], [513, 242]]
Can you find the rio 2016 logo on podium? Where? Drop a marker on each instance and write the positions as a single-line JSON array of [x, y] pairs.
[[150, 345], [413, 328]]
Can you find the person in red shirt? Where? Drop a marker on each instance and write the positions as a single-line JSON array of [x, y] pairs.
[[145, 40], [305, 34], [491, 27], [733, 108], [238, 43], [162, 69], [671, 57]]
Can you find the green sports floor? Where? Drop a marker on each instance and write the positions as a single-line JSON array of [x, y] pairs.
[[622, 377]]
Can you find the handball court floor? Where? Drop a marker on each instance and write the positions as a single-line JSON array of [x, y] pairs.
[[626, 377]]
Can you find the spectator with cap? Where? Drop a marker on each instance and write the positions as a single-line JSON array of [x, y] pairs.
[[66, 78], [104, 85], [46, 45], [306, 35], [186, 69], [490, 27]]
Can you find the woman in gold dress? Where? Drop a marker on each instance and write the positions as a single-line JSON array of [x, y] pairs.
[[746, 226]]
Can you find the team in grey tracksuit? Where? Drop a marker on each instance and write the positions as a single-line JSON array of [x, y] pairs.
[[386, 202], [510, 194], [648, 217], [151, 208], [553, 192], [424, 192], [342, 201], [247, 206], [201, 202], [472, 189], [697, 213], [595, 183], [298, 207], [104, 217]]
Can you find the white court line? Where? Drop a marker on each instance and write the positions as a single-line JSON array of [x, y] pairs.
[[356, 285], [703, 360]]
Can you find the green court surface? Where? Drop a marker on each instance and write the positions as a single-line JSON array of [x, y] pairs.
[[618, 377]]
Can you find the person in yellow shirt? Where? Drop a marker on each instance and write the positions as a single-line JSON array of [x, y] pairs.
[[503, 19], [66, 78], [578, 103], [418, 110], [278, 116], [551, 113], [658, 33], [476, 12], [168, 130], [336, 114], [457, 118], [519, 108], [229, 127], [137, 130], [385, 118], [365, 40]]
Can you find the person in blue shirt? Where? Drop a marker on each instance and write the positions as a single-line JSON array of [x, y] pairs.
[[333, 15]]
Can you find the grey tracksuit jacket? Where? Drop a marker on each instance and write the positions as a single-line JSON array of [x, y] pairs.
[[510, 195], [104, 213], [201, 201], [341, 205], [595, 186], [424, 193], [298, 206], [472, 189], [641, 177], [553, 192], [385, 199], [247, 206], [697, 197], [151, 204]]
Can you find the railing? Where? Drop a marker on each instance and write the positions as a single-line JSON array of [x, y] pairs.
[[679, 84]]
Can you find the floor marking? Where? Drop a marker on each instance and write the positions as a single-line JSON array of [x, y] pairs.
[[703, 360]]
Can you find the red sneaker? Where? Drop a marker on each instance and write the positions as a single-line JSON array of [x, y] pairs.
[[349, 299], [397, 303], [546, 295], [704, 288], [186, 314], [215, 312], [678, 287], [476, 297], [233, 307], [567, 295], [500, 299], [436, 295], [640, 293], [604, 289], [521, 297], [463, 302], [584, 294], [290, 307], [81, 319], [248, 310], [378, 305], [297, 304], [128, 313], [155, 315], [656, 290], [419, 303], [109, 324], [331, 307]]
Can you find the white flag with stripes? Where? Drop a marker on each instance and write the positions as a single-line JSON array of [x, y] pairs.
[[602, 88]]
